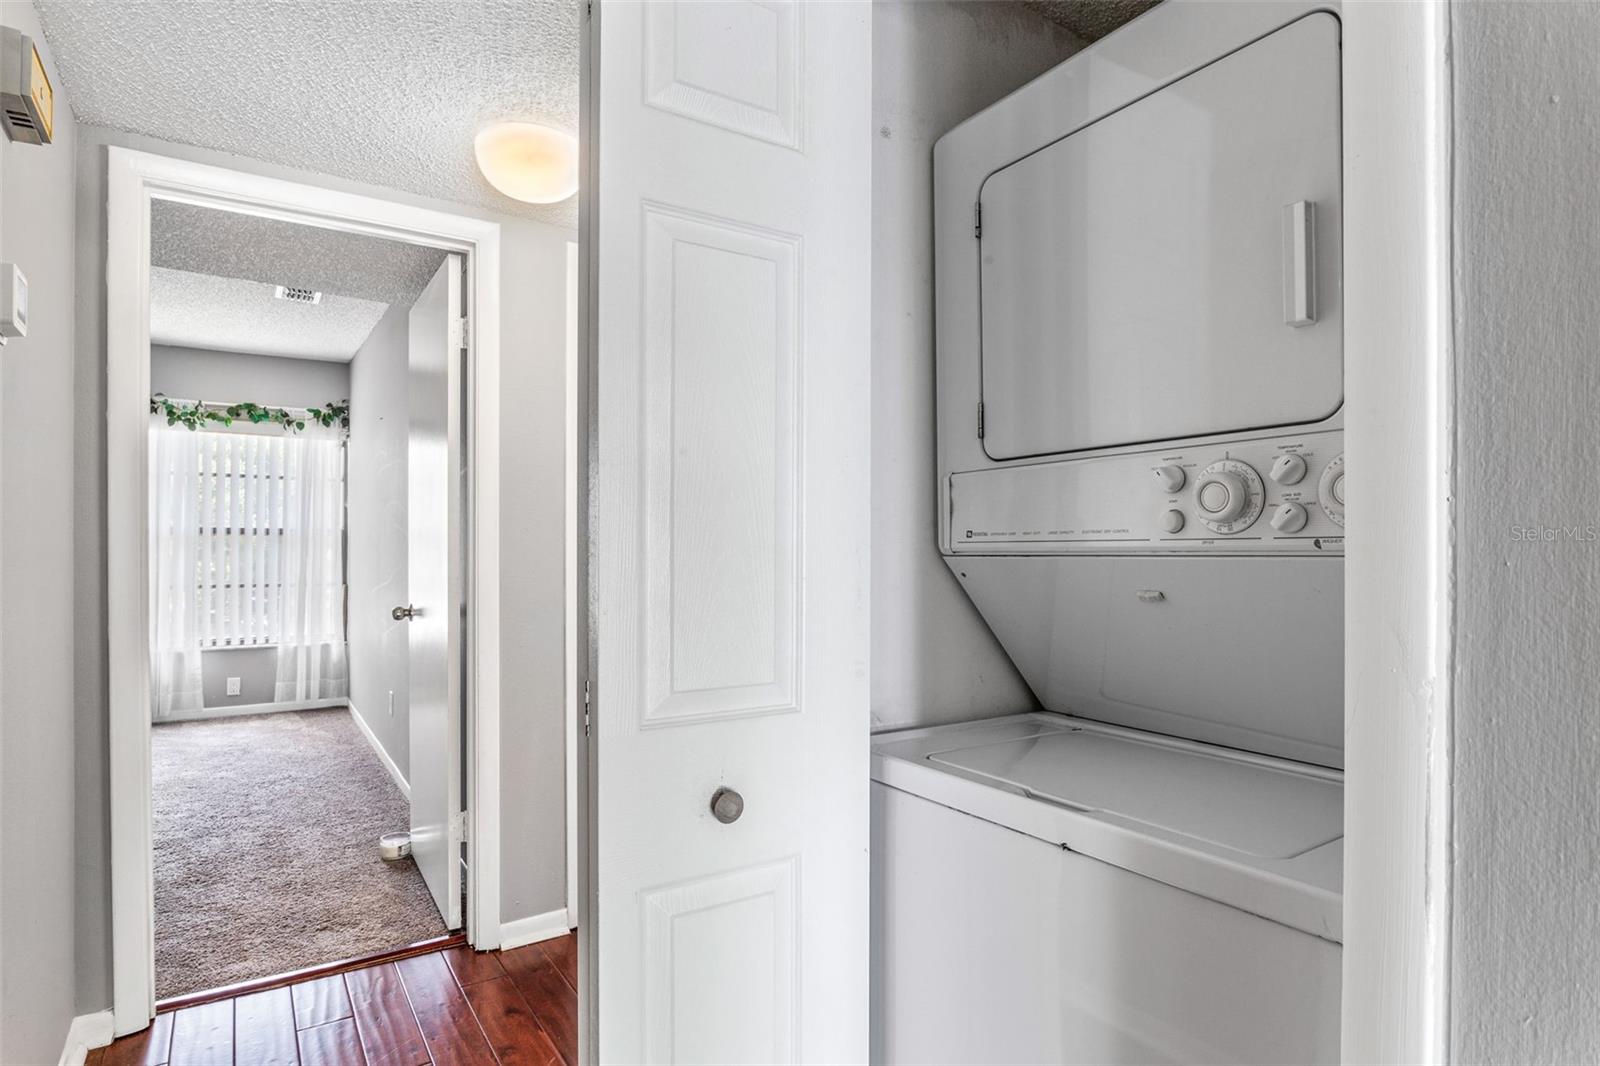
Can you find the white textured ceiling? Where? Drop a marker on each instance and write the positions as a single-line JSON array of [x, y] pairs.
[[235, 315], [1091, 19], [203, 240], [387, 92]]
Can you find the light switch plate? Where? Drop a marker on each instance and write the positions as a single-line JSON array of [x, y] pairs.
[[13, 302]]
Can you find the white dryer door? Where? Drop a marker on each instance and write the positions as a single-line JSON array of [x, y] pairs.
[[1172, 270]]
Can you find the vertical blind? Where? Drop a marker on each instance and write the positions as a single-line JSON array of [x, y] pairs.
[[270, 553], [242, 490], [247, 550]]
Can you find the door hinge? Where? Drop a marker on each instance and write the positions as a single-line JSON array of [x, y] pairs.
[[977, 219], [980, 419], [460, 333], [458, 825], [586, 708]]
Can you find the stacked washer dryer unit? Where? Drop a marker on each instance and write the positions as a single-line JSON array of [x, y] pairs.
[[1140, 384]]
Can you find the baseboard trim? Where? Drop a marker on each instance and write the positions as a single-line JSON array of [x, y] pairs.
[[378, 749], [207, 713], [87, 1032], [531, 930]]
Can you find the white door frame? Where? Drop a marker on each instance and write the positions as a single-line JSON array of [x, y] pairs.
[[134, 179], [1399, 433], [575, 420]]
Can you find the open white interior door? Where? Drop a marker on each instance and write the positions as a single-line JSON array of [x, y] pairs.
[[730, 531], [434, 582]]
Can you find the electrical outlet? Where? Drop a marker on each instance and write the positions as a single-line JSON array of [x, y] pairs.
[[233, 686], [391, 703]]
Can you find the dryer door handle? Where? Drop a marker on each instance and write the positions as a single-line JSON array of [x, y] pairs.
[[1300, 263]]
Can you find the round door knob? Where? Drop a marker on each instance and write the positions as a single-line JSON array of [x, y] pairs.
[[401, 614], [726, 805], [1172, 521], [1171, 477], [1288, 469], [1289, 518]]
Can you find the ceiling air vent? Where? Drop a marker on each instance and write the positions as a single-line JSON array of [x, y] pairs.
[[294, 295]]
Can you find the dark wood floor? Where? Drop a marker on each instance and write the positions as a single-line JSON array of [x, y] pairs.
[[450, 1007]]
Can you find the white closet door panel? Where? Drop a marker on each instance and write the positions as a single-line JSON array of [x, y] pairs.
[[730, 542]]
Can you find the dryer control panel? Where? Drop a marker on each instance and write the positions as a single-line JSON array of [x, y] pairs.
[[1268, 495]]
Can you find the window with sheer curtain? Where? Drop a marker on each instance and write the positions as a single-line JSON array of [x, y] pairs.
[[247, 550]]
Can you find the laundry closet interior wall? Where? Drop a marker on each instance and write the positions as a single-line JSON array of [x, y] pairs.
[[933, 65]]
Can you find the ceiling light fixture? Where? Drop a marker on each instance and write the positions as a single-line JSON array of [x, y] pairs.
[[528, 162]]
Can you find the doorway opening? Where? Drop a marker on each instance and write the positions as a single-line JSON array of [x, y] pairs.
[[312, 527], [303, 782]]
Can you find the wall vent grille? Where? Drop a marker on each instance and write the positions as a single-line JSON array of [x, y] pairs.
[[294, 295]]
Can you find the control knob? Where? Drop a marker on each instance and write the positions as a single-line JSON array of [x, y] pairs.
[[1330, 490], [1222, 496], [1230, 496], [1288, 469], [1289, 518], [1171, 477]]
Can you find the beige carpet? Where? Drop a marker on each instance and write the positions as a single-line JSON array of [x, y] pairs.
[[266, 850]]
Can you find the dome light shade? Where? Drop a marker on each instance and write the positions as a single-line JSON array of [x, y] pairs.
[[528, 162]]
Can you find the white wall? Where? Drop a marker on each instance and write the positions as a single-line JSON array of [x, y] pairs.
[[1525, 983], [380, 658], [37, 437], [533, 313], [934, 63], [230, 377]]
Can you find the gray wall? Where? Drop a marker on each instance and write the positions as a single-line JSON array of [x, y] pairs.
[[37, 437], [379, 646], [933, 65], [229, 377], [1525, 844], [532, 570], [532, 354], [256, 669]]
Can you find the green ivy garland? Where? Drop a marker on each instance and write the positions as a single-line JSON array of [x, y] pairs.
[[193, 416]]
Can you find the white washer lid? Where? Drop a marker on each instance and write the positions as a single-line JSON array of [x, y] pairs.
[[1229, 800]]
